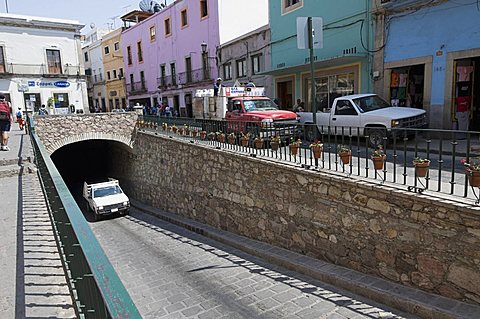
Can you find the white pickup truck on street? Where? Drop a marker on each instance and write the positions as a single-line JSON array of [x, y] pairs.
[[366, 115], [105, 198]]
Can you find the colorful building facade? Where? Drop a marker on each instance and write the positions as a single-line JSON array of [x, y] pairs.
[[432, 60], [171, 54], [342, 66], [114, 74]]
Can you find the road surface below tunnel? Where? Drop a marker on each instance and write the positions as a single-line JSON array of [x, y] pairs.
[[171, 272]]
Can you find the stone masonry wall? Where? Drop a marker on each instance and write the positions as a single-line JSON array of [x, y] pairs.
[[404, 237], [57, 131]]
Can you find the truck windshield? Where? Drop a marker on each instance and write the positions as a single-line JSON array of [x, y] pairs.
[[259, 105], [370, 103], [106, 191]]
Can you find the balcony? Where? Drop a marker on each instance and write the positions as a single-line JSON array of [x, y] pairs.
[[134, 88], [185, 79], [40, 69]]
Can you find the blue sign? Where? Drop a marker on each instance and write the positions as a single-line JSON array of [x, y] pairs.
[[31, 83], [62, 84]]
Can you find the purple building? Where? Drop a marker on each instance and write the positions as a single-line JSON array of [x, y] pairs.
[[172, 53]]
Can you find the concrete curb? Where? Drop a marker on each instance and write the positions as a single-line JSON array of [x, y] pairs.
[[407, 299]]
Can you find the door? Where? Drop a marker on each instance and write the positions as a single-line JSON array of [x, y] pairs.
[[32, 101], [176, 104], [345, 120], [53, 62], [285, 95], [188, 104]]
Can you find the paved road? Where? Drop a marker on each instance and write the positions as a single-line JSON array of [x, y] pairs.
[[173, 273]]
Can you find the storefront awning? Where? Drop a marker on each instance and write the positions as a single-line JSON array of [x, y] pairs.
[[319, 64]]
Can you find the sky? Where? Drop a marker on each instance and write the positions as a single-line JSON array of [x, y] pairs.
[[103, 13]]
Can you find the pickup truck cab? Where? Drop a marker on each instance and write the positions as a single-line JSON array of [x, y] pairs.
[[365, 114], [105, 198]]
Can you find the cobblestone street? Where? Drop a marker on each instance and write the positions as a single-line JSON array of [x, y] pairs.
[[171, 272]]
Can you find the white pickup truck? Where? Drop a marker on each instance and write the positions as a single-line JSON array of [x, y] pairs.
[[365, 115], [105, 198]]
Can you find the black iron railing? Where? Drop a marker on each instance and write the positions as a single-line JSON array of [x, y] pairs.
[[41, 69], [137, 87], [401, 151], [96, 290]]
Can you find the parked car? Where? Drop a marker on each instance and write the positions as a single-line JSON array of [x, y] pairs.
[[364, 115]]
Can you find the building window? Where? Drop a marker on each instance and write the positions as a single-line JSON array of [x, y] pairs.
[[142, 79], [129, 55], [153, 33], [291, 5], [184, 17], [203, 9], [53, 61], [162, 75], [188, 68], [227, 71], [139, 51], [114, 74], [257, 64], [100, 74], [120, 73], [108, 75], [168, 31], [107, 50], [132, 84], [116, 46], [86, 56], [61, 99], [241, 68], [2, 61]]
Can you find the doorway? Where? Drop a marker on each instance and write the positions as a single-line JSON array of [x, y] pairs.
[[32, 101], [285, 95], [466, 100], [188, 104], [176, 104]]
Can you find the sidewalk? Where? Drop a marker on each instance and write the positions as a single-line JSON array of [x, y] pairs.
[[33, 283]]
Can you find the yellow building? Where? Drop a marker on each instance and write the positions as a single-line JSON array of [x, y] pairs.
[[114, 74]]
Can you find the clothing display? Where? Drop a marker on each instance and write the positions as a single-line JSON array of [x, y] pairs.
[[463, 103], [463, 73], [463, 119], [395, 81], [403, 80]]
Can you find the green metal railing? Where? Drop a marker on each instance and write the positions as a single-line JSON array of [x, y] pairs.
[[95, 287]]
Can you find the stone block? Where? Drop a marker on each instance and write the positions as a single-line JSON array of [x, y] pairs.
[[465, 278]]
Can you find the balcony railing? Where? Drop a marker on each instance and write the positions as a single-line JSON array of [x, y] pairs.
[[40, 69], [185, 78], [137, 87]]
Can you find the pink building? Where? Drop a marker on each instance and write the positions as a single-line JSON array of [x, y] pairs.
[[172, 53]]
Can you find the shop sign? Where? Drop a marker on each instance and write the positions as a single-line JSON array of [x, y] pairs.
[[49, 84]]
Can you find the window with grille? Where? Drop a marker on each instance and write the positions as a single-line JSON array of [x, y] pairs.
[[139, 51], [203, 9], [241, 68]]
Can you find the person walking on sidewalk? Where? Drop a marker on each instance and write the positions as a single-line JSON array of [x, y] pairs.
[[5, 122], [20, 120]]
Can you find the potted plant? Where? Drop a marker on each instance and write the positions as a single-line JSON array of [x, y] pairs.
[[174, 128], [258, 142], [164, 126], [345, 154], [421, 166], [473, 171], [221, 137], [378, 158], [195, 133], [294, 146], [203, 135], [245, 139], [275, 143], [211, 136], [186, 130], [317, 149], [180, 130], [231, 138]]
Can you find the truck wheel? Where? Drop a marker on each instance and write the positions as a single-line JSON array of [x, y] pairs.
[[376, 136]]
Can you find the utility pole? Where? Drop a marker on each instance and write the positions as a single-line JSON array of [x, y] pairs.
[[6, 5], [312, 74]]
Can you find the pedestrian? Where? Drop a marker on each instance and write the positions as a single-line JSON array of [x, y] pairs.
[[217, 86], [43, 110], [20, 120], [299, 107], [168, 111], [5, 122]]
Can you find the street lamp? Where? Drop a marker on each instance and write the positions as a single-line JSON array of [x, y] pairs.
[[204, 47]]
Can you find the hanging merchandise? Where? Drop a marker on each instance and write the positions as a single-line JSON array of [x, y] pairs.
[[463, 73]]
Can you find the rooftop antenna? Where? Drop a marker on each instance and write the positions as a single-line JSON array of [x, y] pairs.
[[113, 19]]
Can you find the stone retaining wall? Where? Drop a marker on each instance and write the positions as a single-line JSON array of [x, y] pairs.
[[404, 237]]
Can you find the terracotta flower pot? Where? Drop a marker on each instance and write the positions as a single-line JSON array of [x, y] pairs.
[[317, 152], [259, 144], [174, 129], [194, 133], [293, 149], [473, 178], [203, 135], [378, 162], [164, 127], [345, 157], [187, 132], [275, 146], [421, 169], [244, 141], [231, 140], [211, 137], [221, 138]]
